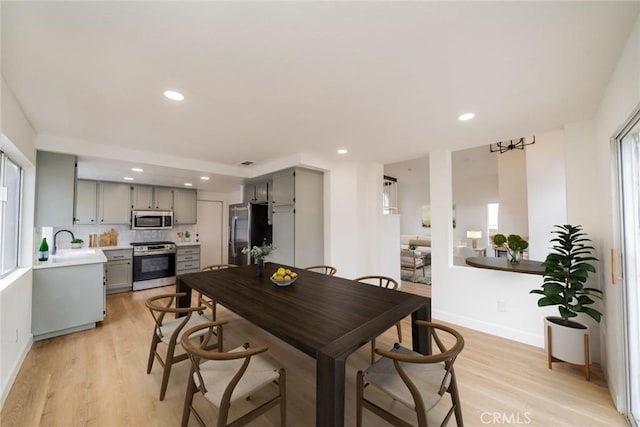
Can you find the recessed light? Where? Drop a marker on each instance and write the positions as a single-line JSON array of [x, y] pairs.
[[137, 170], [128, 178], [343, 151], [204, 178], [188, 184], [173, 95], [466, 116]]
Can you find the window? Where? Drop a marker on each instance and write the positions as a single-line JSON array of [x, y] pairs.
[[10, 196], [492, 221]]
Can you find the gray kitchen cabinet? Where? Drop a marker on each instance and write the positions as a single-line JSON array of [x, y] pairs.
[[257, 192], [149, 197], [55, 189], [119, 270], [163, 198], [187, 259], [86, 202], [67, 299], [298, 228], [114, 203], [185, 206], [284, 188], [141, 197]]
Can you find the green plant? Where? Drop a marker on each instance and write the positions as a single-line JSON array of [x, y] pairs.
[[567, 269], [259, 252], [77, 241], [187, 234], [413, 247], [513, 243]]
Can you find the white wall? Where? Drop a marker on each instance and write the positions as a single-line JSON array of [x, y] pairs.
[[17, 140], [546, 190], [470, 296], [620, 98]]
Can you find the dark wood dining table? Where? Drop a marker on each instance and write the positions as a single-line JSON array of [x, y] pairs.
[[326, 317]]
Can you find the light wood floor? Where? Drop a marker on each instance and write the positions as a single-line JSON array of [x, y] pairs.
[[98, 378]]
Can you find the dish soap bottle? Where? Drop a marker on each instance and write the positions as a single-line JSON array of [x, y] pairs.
[[43, 251]]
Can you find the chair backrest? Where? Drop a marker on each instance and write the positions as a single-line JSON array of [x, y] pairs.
[[378, 280], [199, 351], [158, 310], [447, 355], [324, 269], [211, 267]]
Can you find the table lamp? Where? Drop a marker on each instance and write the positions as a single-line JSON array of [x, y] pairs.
[[474, 236]]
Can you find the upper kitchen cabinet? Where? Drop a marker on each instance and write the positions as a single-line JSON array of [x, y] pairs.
[[257, 192], [185, 206], [141, 197], [284, 188], [86, 202], [114, 203], [148, 197], [55, 189], [163, 198]]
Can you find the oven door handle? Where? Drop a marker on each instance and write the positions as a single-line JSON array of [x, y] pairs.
[[233, 235]]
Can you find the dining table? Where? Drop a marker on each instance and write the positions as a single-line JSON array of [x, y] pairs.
[[326, 317]]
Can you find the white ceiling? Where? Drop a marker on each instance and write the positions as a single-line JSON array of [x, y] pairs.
[[263, 80]]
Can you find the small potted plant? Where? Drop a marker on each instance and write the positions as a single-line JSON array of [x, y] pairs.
[[567, 269], [187, 236], [514, 244], [77, 243], [259, 253]]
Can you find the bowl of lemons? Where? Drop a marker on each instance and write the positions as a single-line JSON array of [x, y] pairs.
[[284, 277]]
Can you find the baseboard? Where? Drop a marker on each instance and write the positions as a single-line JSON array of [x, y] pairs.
[[492, 328], [6, 388]]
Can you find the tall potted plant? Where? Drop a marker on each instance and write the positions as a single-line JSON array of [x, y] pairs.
[[567, 269]]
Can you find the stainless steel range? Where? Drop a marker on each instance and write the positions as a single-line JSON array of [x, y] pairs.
[[154, 264]]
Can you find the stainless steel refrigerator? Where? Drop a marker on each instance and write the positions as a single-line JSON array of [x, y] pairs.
[[248, 226]]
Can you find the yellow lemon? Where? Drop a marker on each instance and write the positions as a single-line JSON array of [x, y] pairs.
[[287, 271], [294, 275], [281, 271], [278, 278], [287, 277]]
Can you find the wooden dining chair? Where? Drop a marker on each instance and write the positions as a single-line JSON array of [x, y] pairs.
[[387, 283], [205, 300], [413, 379], [169, 332], [324, 269], [224, 378]]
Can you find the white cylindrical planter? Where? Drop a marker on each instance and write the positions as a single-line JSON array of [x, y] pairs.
[[567, 343]]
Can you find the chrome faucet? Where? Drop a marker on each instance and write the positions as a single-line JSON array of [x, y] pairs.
[[53, 252]]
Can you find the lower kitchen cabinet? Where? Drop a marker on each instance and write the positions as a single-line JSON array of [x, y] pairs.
[[119, 270], [187, 259], [67, 299]]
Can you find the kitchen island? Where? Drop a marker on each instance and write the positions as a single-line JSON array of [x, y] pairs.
[[68, 293]]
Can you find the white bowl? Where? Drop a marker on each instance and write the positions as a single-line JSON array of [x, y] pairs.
[[283, 283]]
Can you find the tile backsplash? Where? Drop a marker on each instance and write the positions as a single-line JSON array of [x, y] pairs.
[[125, 234]]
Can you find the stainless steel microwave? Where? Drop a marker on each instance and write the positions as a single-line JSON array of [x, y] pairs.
[[151, 220]]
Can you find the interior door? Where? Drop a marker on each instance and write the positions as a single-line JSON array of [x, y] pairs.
[[209, 232]]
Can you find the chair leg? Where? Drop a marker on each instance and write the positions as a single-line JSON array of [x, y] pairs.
[[152, 352], [283, 397], [399, 327], [168, 363], [359, 396], [373, 350], [188, 399], [455, 398]]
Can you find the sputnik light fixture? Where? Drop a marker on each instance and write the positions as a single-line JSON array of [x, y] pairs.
[[513, 144]]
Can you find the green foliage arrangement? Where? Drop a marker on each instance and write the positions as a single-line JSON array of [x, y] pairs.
[[259, 252], [513, 243], [567, 269]]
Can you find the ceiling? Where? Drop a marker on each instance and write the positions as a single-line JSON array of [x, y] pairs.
[[263, 80]]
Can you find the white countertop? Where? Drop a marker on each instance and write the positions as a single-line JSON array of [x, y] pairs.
[[115, 248], [178, 244], [71, 257]]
